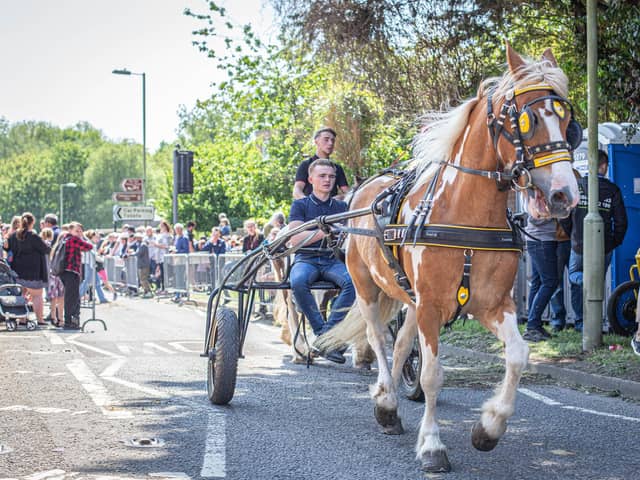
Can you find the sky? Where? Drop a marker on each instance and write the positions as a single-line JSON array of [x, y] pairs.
[[57, 59]]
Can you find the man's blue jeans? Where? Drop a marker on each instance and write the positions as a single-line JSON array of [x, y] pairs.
[[544, 279], [577, 281], [304, 273], [558, 310]]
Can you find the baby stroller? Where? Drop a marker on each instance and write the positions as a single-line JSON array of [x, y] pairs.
[[13, 305]]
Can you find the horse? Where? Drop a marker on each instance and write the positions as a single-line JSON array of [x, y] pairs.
[[517, 133]]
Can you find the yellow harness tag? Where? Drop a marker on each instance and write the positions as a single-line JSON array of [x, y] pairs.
[[463, 295]]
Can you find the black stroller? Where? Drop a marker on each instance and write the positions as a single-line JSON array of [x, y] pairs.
[[14, 307]]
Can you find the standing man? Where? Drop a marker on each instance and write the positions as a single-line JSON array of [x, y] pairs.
[[325, 140], [74, 246], [614, 217], [319, 262], [51, 221]]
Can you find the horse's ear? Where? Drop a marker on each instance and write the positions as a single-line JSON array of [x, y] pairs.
[[547, 55], [514, 60]]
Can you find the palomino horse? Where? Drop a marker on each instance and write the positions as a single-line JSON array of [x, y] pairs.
[[517, 132]]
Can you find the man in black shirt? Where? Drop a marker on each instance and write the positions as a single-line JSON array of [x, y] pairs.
[[325, 139], [614, 217]]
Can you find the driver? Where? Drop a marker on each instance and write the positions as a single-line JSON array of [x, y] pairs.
[[317, 262]]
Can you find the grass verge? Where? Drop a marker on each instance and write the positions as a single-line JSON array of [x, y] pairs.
[[565, 348]]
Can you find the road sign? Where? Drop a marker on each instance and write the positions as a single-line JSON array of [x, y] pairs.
[[132, 213], [132, 185], [127, 197]]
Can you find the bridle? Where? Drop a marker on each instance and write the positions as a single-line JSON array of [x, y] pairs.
[[523, 123]]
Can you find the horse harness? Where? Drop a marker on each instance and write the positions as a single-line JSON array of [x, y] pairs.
[[386, 208]]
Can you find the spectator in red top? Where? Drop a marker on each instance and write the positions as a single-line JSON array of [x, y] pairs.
[[74, 246]]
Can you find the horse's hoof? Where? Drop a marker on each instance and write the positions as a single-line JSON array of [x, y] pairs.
[[480, 440], [363, 366], [436, 462], [389, 420]]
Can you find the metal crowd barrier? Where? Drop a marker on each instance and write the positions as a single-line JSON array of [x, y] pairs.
[[176, 278], [131, 272], [201, 272]]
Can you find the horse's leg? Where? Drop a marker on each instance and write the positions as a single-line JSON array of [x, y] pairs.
[[403, 345], [495, 411], [429, 449], [383, 392]]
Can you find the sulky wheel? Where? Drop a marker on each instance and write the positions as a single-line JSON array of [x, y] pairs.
[[411, 374], [621, 309], [12, 325], [223, 364]]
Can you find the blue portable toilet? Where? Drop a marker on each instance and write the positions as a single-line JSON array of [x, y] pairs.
[[623, 151]]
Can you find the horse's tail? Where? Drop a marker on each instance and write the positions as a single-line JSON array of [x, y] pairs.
[[353, 328]]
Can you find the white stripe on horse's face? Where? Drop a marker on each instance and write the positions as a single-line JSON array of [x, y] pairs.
[[551, 121]]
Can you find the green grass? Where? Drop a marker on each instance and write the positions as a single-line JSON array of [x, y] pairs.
[[565, 348]]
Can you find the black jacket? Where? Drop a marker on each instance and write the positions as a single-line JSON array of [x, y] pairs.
[[29, 256], [612, 211]]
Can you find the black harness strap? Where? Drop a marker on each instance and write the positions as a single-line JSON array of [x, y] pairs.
[[464, 290]]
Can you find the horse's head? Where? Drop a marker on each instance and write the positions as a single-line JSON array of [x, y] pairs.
[[534, 133]]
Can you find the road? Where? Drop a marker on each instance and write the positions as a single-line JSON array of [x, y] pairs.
[[72, 405]]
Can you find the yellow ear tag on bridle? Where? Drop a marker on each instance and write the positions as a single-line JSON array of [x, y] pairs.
[[559, 109], [463, 295], [524, 122]]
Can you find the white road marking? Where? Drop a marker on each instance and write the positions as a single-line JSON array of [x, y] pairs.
[[552, 402], [214, 462], [54, 338], [126, 349], [603, 414], [26, 408], [95, 349], [11, 336], [149, 346], [180, 346], [96, 389], [47, 474], [537, 396], [150, 391], [112, 369]]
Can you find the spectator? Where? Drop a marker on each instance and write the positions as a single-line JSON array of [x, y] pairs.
[[55, 289], [215, 244], [150, 240], [94, 238], [142, 253], [614, 217], [74, 246], [319, 264], [224, 225], [325, 139], [30, 263], [181, 242], [13, 227], [253, 239], [544, 274], [51, 221], [103, 251], [163, 241], [556, 303], [277, 221], [191, 226]]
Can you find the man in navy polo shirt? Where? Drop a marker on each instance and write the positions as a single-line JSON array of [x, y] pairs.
[[317, 262]]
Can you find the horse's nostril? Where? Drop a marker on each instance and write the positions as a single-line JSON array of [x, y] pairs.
[[558, 198]]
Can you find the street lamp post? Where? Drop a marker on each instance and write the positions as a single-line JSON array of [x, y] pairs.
[[62, 185], [124, 71]]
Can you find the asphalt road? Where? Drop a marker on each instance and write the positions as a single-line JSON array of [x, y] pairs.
[[73, 404]]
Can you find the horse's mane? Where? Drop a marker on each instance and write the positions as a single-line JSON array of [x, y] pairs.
[[441, 129]]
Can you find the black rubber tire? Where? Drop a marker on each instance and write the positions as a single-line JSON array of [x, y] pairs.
[[411, 374], [410, 378], [222, 370], [621, 308]]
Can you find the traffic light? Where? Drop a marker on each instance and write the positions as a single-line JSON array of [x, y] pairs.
[[182, 174]]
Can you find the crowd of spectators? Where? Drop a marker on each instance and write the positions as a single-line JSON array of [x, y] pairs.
[[28, 249]]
